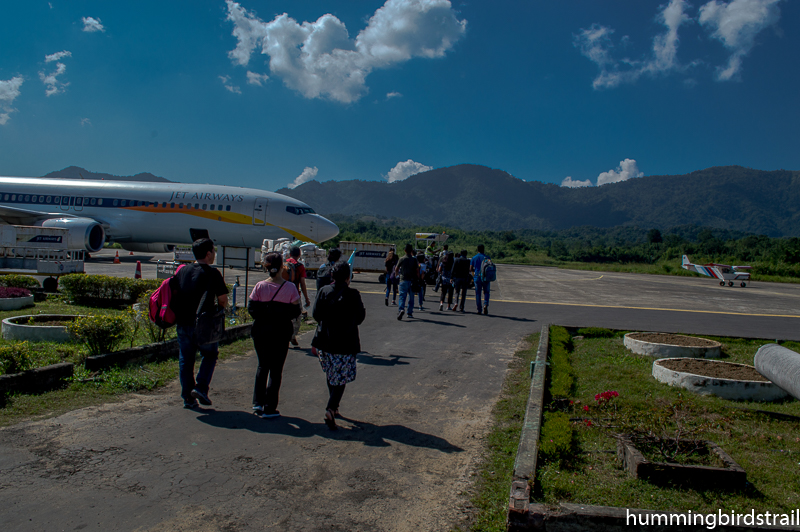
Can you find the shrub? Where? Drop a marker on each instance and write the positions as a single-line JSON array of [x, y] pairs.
[[100, 334], [555, 441], [15, 358], [19, 281], [140, 319], [596, 332], [6, 292], [104, 289], [562, 375]]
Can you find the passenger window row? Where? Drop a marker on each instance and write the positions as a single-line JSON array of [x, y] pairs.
[[81, 201]]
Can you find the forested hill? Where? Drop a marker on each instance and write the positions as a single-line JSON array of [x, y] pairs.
[[473, 197], [76, 172]]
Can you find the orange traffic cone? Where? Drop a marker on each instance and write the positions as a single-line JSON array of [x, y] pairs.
[[116, 258], [138, 274]]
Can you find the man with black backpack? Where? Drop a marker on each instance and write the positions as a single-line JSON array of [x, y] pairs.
[[196, 287], [479, 266], [324, 274]]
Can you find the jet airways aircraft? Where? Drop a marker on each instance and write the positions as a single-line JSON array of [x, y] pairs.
[[145, 216]]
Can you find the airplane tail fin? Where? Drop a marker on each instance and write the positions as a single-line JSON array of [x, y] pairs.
[[685, 261]]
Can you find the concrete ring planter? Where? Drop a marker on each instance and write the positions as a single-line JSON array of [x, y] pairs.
[[14, 303], [17, 328], [658, 345], [733, 389]]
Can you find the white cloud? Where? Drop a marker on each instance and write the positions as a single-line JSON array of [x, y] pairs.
[[627, 169], [58, 56], [595, 44], [226, 82], [256, 79], [9, 90], [50, 80], [85, 122], [320, 60], [92, 25], [736, 25], [307, 175], [574, 183], [404, 170], [393, 94]]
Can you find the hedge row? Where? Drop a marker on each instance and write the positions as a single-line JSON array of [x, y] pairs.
[[562, 376], [104, 289], [19, 281]]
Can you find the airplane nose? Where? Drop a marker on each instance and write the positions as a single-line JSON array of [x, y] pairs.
[[325, 229]]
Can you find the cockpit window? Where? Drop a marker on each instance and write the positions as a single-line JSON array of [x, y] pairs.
[[299, 210]]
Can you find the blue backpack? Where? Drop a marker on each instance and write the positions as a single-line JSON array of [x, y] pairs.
[[488, 271]]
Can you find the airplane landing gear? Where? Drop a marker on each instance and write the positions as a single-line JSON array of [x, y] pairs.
[[730, 283], [722, 283], [743, 284]]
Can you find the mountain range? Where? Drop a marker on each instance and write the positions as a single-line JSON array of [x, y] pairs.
[[474, 197], [76, 172]]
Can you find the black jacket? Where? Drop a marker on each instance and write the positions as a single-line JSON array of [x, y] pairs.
[[338, 313]]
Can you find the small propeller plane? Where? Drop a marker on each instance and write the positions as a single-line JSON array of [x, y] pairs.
[[723, 272]]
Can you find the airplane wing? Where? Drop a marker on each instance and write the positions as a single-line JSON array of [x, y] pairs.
[[15, 216], [742, 267]]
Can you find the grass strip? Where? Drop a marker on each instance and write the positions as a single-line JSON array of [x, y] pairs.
[[767, 447], [495, 472]]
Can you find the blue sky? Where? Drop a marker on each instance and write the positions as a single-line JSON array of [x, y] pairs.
[[264, 94]]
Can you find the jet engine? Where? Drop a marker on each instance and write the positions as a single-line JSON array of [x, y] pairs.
[[147, 248], [84, 233]]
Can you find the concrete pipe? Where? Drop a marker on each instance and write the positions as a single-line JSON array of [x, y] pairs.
[[781, 366]]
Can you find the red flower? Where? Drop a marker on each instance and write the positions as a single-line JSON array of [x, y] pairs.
[[586, 408]]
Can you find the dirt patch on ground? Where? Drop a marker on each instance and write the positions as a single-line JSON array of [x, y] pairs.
[[714, 369], [673, 339]]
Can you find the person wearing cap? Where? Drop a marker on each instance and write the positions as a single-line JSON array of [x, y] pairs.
[[299, 280]]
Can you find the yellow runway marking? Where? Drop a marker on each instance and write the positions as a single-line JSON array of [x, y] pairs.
[[696, 311]]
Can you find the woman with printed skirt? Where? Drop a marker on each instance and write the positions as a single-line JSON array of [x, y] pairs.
[[274, 304], [338, 311]]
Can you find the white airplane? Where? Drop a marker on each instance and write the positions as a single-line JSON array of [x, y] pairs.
[[145, 216], [723, 272]]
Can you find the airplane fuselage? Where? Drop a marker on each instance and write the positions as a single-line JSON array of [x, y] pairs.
[[148, 212]]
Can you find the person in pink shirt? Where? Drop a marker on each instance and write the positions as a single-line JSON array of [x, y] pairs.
[[274, 303]]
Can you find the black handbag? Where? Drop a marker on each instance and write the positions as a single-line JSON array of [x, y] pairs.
[[210, 324]]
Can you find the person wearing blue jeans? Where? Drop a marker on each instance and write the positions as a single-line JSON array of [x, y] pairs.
[[186, 359], [407, 270], [481, 288], [188, 286]]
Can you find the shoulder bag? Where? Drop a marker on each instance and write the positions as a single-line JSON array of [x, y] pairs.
[[210, 324]]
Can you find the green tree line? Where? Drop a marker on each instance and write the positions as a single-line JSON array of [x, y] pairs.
[[622, 245]]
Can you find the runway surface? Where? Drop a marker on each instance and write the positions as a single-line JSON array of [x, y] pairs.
[[414, 416]]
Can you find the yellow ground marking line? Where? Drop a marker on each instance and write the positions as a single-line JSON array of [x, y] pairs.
[[631, 308]]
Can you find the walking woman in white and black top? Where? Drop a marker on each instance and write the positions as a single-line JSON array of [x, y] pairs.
[[338, 310], [274, 303]]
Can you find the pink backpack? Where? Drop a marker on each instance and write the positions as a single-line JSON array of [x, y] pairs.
[[160, 312]]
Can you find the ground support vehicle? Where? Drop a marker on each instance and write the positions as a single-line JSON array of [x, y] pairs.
[[369, 256], [35, 251]]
